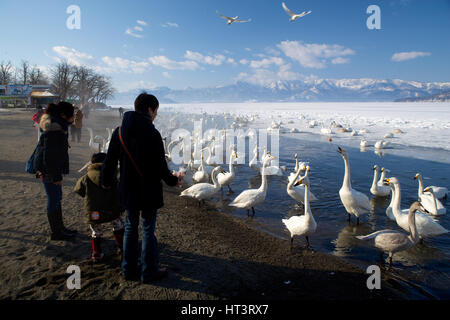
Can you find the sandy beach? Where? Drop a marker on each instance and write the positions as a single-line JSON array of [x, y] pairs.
[[210, 255]]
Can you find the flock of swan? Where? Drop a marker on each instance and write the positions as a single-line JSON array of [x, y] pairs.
[[293, 16], [418, 221], [206, 178]]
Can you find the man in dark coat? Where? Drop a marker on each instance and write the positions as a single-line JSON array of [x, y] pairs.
[[140, 187]]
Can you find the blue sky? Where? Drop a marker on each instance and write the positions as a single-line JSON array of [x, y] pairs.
[[181, 43]]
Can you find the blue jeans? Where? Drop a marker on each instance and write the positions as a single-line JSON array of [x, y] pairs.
[[54, 196], [149, 254]]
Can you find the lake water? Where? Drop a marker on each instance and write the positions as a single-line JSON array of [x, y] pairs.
[[423, 270]]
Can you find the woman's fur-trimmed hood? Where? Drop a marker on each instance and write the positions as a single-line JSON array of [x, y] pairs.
[[47, 124]]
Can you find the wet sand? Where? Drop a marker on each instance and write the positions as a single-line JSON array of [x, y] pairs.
[[210, 254]]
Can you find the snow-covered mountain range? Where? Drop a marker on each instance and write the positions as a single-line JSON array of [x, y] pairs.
[[295, 90]]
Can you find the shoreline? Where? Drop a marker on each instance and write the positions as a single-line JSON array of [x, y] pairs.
[[210, 255]]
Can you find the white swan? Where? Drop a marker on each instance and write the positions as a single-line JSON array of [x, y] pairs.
[[254, 161], [202, 191], [297, 191], [381, 144], [230, 20], [298, 165], [436, 211], [93, 141], [426, 226], [226, 178], [389, 209], [302, 225], [439, 192], [251, 197], [392, 241], [376, 189], [363, 143], [294, 16], [201, 175], [355, 202]]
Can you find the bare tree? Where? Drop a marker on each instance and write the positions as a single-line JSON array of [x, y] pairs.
[[24, 72], [37, 76], [6, 72], [62, 77]]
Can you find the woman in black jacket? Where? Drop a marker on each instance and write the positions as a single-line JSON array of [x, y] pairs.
[[140, 187], [52, 161]]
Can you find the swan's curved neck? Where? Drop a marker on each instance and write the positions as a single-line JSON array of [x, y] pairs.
[[308, 214], [231, 167], [263, 186], [420, 185], [375, 179], [296, 163], [347, 183], [398, 198], [414, 235], [434, 202], [391, 204], [291, 183], [383, 176], [214, 179]]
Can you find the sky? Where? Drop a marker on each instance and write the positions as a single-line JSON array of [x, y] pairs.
[[185, 43]]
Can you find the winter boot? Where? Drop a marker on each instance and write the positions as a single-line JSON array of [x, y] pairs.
[[118, 238], [97, 254], [57, 232], [61, 222]]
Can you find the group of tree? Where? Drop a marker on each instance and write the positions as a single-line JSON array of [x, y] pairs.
[[68, 81], [23, 74]]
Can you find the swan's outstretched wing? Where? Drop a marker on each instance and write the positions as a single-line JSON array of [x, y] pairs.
[[225, 17], [289, 12], [242, 20], [304, 13]]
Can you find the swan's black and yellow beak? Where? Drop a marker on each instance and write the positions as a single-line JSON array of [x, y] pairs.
[[299, 182], [375, 167], [382, 169], [387, 181], [235, 154], [416, 176], [340, 150]]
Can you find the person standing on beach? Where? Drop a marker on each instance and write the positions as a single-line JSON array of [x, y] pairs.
[[77, 125], [139, 148], [120, 112], [37, 118], [52, 161], [101, 206]]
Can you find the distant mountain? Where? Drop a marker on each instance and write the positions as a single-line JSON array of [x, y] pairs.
[[296, 90], [438, 97]]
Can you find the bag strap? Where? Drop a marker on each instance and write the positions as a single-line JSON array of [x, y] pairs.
[[129, 155]]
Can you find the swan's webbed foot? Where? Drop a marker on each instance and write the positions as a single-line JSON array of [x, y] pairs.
[[253, 212]]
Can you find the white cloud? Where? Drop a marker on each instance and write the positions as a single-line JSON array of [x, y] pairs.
[[266, 77], [244, 61], [266, 62], [403, 56], [170, 25], [141, 22], [217, 60], [141, 84], [118, 64], [166, 75], [137, 28], [130, 32], [166, 63], [340, 60], [73, 56], [312, 55]]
